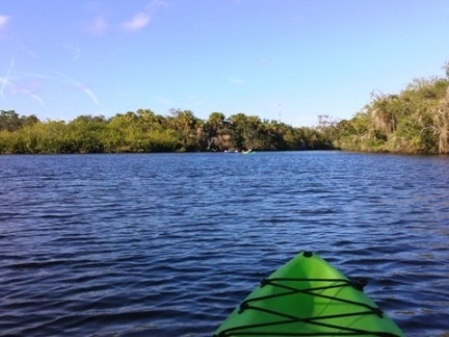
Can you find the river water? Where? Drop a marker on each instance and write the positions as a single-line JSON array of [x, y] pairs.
[[167, 244]]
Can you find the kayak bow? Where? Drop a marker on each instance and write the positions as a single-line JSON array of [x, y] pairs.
[[308, 297]]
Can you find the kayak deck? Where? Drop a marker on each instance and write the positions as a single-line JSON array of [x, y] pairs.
[[308, 297]]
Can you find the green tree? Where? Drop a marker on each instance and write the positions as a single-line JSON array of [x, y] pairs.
[[185, 125], [86, 134], [9, 120]]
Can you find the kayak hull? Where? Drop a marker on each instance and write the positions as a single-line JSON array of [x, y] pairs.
[[307, 296]]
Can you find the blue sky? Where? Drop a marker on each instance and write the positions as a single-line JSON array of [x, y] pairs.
[[278, 59]]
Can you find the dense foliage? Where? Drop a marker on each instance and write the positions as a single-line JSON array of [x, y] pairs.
[[414, 121], [144, 131]]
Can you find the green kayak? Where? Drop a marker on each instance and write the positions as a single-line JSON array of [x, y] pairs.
[[308, 297]]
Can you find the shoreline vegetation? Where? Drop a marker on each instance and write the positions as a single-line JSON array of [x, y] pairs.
[[414, 121]]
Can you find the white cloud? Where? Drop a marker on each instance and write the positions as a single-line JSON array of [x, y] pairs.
[[4, 20], [145, 16], [139, 21]]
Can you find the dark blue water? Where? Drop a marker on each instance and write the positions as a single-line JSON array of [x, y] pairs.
[[168, 244]]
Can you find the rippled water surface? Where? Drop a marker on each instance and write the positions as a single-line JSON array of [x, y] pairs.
[[168, 244]]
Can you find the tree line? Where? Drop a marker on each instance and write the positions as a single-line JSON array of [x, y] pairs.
[[416, 120], [145, 131]]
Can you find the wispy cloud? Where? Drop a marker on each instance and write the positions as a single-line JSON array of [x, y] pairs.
[[38, 99], [20, 83], [28, 87], [137, 22], [6, 80], [155, 5], [84, 89], [30, 92], [89, 92], [98, 26]]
